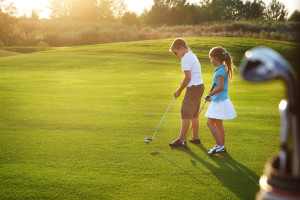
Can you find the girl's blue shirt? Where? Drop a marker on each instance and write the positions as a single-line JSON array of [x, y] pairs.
[[223, 95]]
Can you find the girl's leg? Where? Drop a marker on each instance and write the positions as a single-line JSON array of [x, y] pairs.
[[214, 130], [195, 128], [219, 125], [184, 129]]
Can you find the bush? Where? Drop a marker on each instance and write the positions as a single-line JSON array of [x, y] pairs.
[[42, 46], [69, 38], [21, 49], [51, 38], [71, 33], [1, 44]]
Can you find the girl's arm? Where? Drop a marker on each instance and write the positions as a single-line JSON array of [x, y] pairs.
[[185, 82], [220, 88]]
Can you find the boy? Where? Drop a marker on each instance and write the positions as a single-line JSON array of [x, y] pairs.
[[191, 67]]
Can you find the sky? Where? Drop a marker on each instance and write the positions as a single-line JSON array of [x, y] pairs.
[[26, 6]]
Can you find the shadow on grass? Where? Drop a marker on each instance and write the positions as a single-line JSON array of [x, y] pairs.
[[236, 177]]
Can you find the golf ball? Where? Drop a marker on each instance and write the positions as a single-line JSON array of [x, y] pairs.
[[146, 141]]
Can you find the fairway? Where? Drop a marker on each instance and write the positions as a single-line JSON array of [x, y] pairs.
[[73, 122]]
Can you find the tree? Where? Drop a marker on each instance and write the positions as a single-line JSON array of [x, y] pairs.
[[9, 9], [8, 23], [130, 18], [118, 7], [257, 10], [111, 9], [178, 12], [233, 9], [158, 13], [85, 10], [217, 10], [205, 11], [193, 14], [34, 15], [276, 11], [253, 10], [295, 16], [60, 9]]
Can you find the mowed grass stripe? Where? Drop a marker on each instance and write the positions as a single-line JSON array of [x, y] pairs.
[[73, 123]]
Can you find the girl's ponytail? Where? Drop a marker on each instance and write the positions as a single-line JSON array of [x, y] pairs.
[[229, 65]]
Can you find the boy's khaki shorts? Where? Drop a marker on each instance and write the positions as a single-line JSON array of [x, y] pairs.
[[191, 101]]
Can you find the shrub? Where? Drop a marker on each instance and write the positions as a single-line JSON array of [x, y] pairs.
[[1, 44], [51, 38], [42, 46]]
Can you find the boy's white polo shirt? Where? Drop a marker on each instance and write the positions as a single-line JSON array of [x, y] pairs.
[[190, 62]]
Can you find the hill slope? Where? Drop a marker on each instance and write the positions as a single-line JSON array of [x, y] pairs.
[[73, 123]]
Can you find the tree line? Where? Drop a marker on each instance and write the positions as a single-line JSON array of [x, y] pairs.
[[78, 22], [170, 12]]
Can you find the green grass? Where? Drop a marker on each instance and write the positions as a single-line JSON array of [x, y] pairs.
[[73, 123]]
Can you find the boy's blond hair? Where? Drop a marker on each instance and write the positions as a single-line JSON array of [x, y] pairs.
[[179, 42]]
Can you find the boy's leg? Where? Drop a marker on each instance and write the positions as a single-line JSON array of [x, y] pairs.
[[184, 129], [219, 125], [195, 124], [214, 130], [196, 114]]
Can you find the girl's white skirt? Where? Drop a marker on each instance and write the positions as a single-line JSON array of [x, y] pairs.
[[221, 110]]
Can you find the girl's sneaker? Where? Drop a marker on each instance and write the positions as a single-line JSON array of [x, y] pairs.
[[217, 149], [214, 147]]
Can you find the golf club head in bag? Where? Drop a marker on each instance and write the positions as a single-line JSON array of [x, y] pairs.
[[281, 179], [262, 64]]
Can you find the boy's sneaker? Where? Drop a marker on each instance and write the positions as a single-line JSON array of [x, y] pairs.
[[217, 149], [214, 147], [176, 143], [197, 141]]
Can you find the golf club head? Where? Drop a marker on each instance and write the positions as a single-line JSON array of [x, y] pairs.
[[263, 64], [282, 173], [285, 130], [148, 139], [285, 124]]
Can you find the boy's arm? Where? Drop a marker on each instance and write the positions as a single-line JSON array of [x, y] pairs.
[[220, 88], [185, 82]]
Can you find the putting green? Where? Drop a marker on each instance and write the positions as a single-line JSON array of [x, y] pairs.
[[74, 120]]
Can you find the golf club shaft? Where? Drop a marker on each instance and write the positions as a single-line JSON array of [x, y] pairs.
[[193, 123], [296, 145], [163, 117]]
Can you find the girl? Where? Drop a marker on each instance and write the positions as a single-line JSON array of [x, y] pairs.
[[220, 107], [191, 67]]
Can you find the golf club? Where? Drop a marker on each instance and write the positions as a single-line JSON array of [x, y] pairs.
[[152, 139], [184, 142], [282, 175]]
